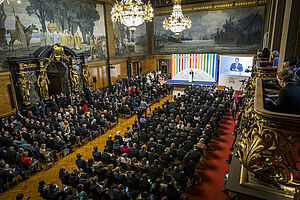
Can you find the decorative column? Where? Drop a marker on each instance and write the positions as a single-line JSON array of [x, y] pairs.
[[289, 31], [109, 36], [150, 38]]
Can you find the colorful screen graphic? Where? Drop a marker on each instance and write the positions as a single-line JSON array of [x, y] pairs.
[[203, 65]]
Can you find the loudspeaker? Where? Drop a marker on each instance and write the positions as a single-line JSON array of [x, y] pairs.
[[94, 79]]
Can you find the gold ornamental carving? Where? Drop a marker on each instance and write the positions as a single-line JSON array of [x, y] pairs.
[[24, 88], [43, 83], [74, 78], [85, 76], [58, 53], [265, 147], [259, 143]]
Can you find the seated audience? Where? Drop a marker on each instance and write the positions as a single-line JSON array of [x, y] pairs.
[[155, 160]]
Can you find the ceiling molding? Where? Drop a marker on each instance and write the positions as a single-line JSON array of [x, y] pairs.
[[229, 4]]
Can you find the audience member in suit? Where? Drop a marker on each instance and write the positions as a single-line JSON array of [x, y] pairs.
[[195, 155], [81, 164], [96, 154]]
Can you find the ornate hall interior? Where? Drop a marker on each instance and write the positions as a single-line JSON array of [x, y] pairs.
[[150, 99]]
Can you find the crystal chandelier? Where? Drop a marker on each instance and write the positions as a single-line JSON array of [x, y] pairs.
[[132, 13], [177, 22]]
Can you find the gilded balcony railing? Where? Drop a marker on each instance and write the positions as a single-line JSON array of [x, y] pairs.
[[269, 145]]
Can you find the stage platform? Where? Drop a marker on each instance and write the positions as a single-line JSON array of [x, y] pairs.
[[184, 83]]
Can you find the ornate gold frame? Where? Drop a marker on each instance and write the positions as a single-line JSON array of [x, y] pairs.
[[244, 181]]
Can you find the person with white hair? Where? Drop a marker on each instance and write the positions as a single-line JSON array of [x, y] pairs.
[[119, 137]]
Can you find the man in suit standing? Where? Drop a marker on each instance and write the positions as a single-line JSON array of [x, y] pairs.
[[236, 66], [234, 109], [191, 76]]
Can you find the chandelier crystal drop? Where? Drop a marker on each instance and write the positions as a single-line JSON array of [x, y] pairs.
[[177, 22], [132, 13]]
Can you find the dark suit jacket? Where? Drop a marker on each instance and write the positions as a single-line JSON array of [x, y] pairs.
[[160, 149], [188, 145], [152, 156], [11, 156], [180, 154], [97, 156], [289, 99], [194, 156], [134, 152], [81, 164], [155, 172], [238, 68]]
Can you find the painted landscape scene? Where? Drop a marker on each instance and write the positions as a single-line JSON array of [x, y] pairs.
[[232, 31], [31, 24]]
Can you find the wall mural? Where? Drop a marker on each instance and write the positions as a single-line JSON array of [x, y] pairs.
[[223, 31], [125, 45], [26, 26]]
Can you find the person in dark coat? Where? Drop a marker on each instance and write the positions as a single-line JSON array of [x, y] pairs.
[[96, 154], [81, 164], [53, 105], [119, 194], [289, 95], [64, 176], [42, 108], [11, 155], [36, 109]]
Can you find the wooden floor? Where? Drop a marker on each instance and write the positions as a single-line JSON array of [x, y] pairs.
[[30, 186]]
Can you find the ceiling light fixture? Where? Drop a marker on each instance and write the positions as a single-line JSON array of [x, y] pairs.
[[132, 13], [177, 22]]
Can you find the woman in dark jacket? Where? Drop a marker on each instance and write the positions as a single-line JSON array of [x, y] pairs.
[[53, 106], [289, 95]]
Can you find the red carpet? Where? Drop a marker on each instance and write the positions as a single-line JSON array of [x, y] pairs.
[[213, 172]]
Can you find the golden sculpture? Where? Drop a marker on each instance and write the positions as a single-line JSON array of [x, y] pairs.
[[85, 76], [43, 83], [24, 87], [252, 148], [74, 78], [57, 54]]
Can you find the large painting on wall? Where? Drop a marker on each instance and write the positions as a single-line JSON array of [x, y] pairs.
[[30, 24], [232, 31], [128, 45]]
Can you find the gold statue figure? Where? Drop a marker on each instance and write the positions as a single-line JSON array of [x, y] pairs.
[[43, 83], [24, 87], [85, 76], [58, 53], [74, 78]]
